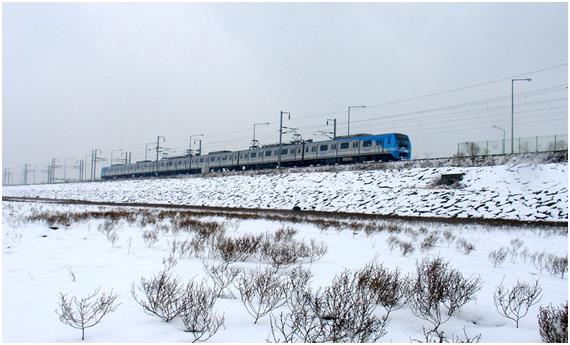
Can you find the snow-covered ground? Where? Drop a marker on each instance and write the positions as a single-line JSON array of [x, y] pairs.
[[38, 263], [520, 190]]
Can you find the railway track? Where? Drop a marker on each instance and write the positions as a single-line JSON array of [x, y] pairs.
[[294, 216]]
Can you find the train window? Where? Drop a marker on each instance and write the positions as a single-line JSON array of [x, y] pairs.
[[298, 150], [314, 149], [212, 159], [253, 154], [333, 147], [367, 143], [267, 153], [323, 147], [355, 144], [284, 151], [307, 149], [224, 158], [344, 146]]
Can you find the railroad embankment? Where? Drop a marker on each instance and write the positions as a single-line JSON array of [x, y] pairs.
[[523, 190]]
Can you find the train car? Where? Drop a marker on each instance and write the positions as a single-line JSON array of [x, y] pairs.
[[341, 150]]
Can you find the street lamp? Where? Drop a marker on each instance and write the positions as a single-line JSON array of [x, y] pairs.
[[281, 135], [254, 141], [503, 137], [190, 145], [513, 111], [353, 107]]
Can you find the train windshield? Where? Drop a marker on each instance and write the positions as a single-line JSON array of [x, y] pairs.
[[403, 140]]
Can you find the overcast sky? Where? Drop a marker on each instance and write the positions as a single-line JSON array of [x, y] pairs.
[[114, 76]]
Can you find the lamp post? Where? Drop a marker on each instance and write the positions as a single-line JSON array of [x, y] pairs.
[[281, 135], [513, 111], [190, 145], [353, 107], [254, 141], [503, 137], [334, 127]]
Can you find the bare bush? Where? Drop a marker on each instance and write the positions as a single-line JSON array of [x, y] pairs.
[[161, 295], [298, 284], [113, 237], [498, 256], [106, 227], [429, 241], [406, 248], [557, 265], [342, 312], [181, 248], [464, 246], [553, 324], [440, 337], [388, 287], [539, 260], [285, 233], [434, 285], [223, 276], [280, 254], [87, 312], [237, 249], [313, 251], [449, 237], [150, 237], [515, 303], [261, 291], [196, 307], [393, 242]]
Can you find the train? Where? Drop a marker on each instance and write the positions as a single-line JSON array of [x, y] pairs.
[[340, 150]]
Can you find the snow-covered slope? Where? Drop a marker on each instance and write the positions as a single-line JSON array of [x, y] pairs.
[[516, 191]]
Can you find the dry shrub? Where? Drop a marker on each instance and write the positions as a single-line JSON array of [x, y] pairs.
[[553, 324], [150, 237], [498, 256], [429, 241], [181, 248], [464, 246], [285, 233], [515, 303], [223, 276], [388, 287], [393, 242], [449, 237], [557, 265], [160, 295], [436, 285], [262, 291], [85, 312], [406, 248], [196, 307], [342, 312], [237, 249]]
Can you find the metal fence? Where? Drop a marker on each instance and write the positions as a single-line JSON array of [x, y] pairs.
[[521, 145]]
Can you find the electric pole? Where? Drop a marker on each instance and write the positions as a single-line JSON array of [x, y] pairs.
[[353, 107], [334, 127], [281, 135], [158, 148]]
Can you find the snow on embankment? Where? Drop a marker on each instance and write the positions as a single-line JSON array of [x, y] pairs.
[[517, 191]]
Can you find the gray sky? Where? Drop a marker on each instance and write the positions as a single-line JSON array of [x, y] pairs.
[[114, 76]]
